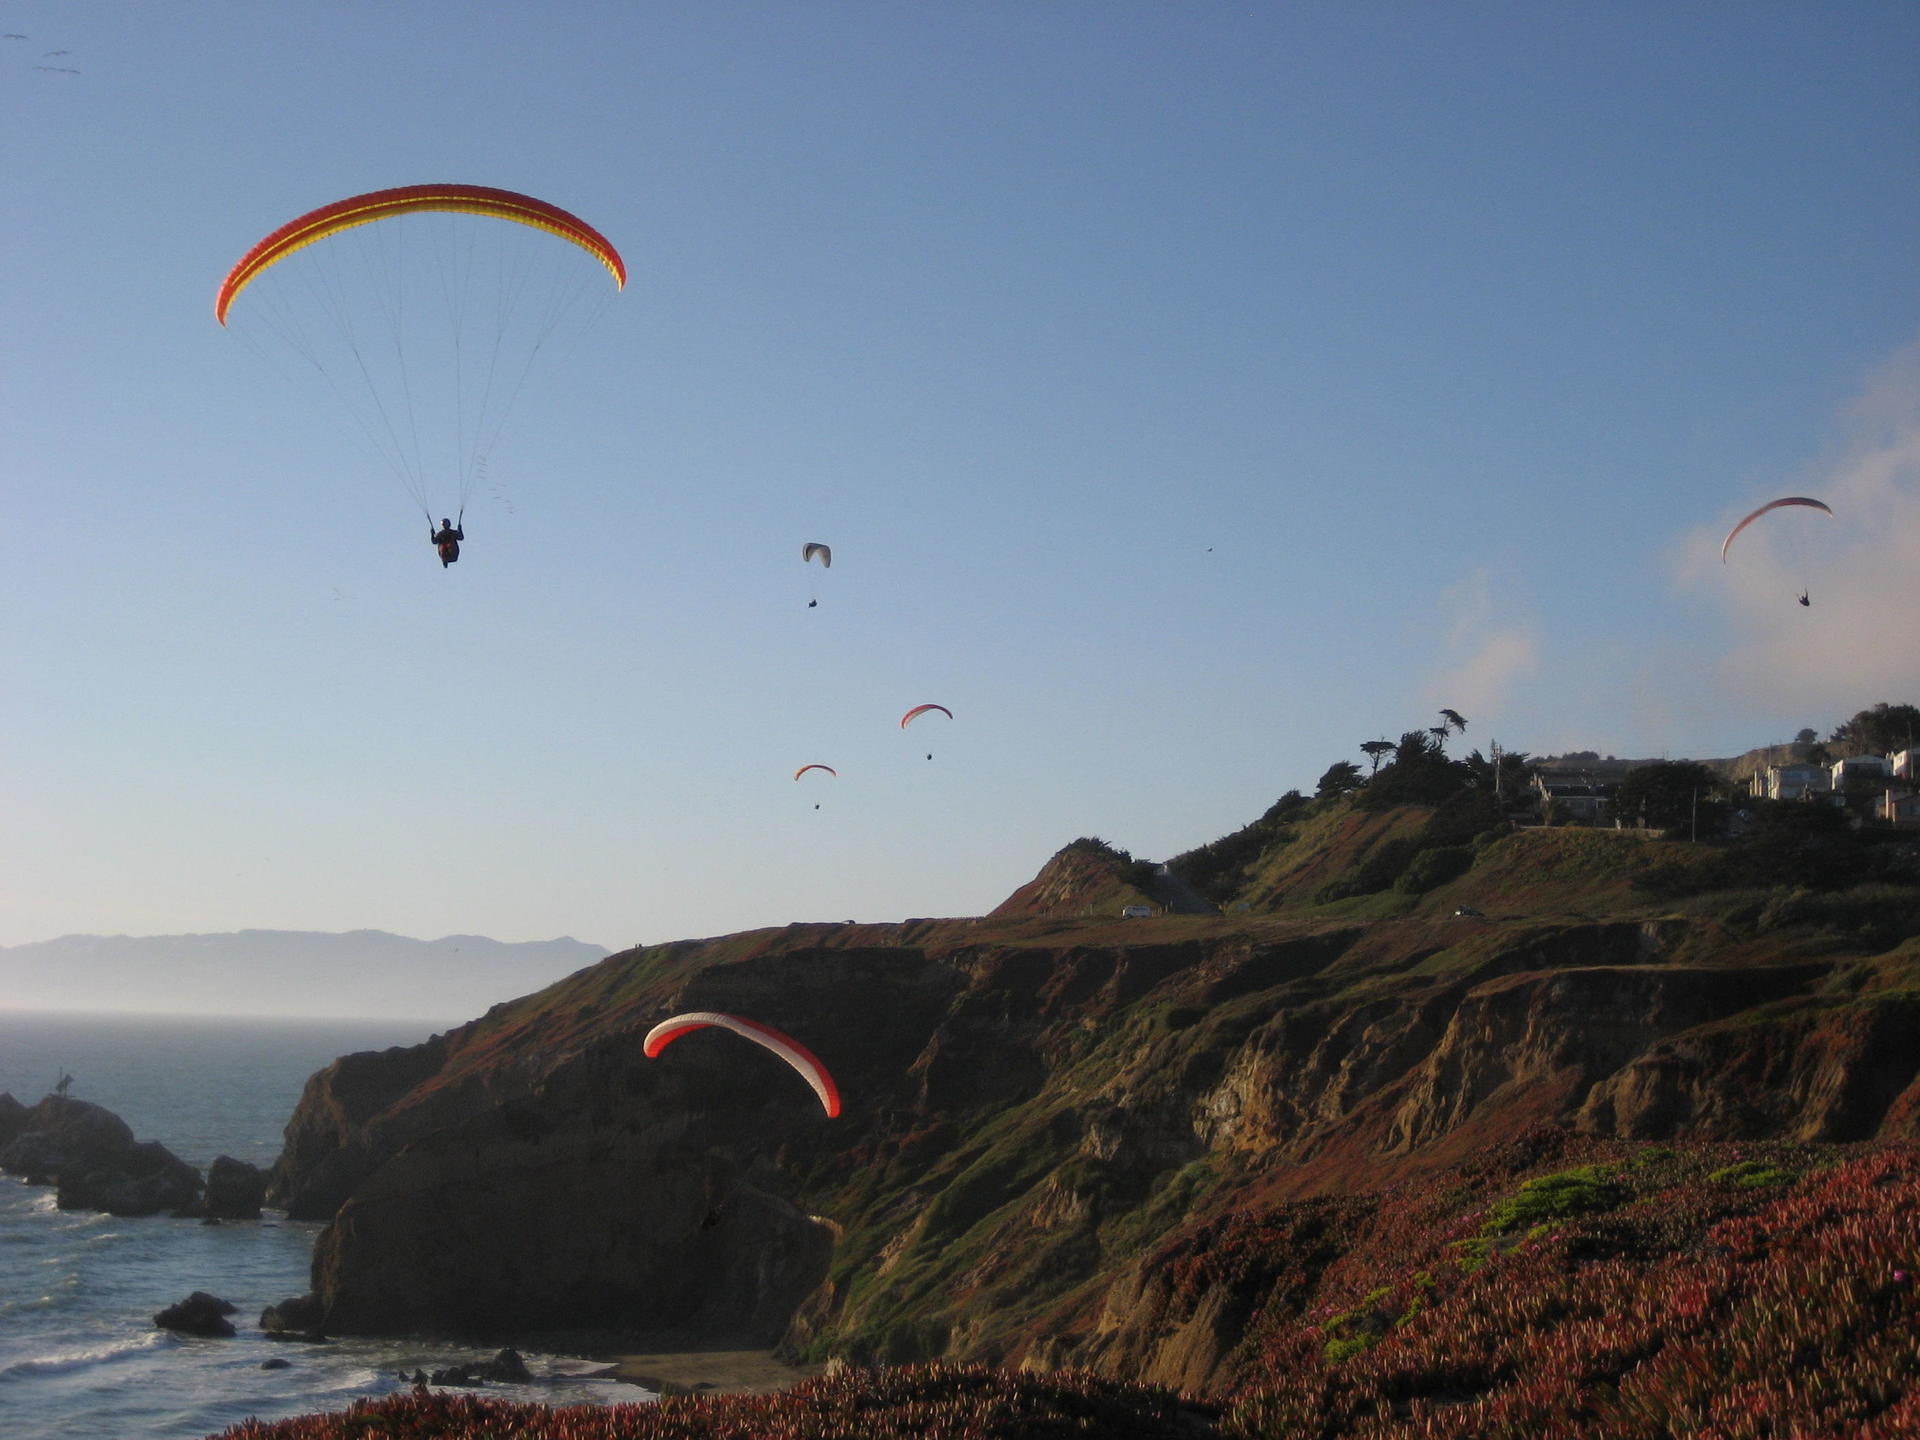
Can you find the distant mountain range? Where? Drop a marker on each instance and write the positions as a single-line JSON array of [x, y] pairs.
[[285, 973]]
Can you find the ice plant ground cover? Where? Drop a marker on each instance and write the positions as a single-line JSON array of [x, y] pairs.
[[925, 1402], [1557, 1287], [1726, 1291]]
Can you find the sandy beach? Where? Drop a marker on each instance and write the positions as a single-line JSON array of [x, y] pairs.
[[728, 1372]]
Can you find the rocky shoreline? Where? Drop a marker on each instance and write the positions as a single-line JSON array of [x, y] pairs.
[[90, 1157]]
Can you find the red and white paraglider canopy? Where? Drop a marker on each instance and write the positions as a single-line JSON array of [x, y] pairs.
[[785, 1046]]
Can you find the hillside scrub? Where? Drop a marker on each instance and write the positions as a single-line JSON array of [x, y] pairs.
[[909, 1403], [1218, 870], [1807, 847]]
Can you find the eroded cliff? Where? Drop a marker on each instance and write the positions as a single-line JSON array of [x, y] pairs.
[[1042, 1109]]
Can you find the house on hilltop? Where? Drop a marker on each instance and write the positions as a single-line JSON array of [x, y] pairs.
[[1799, 780], [1570, 800], [1857, 773]]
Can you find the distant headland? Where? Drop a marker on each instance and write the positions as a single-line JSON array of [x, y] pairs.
[[294, 973]]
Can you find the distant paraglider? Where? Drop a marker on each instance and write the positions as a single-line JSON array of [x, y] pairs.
[[1746, 520], [814, 550], [919, 710], [785, 1046], [805, 768]]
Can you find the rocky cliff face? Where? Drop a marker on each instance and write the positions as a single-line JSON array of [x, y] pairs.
[[1043, 1113]]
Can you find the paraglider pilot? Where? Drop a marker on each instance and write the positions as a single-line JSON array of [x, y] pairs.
[[1805, 601], [447, 541]]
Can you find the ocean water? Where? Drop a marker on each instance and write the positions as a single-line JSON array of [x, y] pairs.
[[79, 1354]]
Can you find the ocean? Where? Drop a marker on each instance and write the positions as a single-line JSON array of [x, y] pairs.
[[79, 1354]]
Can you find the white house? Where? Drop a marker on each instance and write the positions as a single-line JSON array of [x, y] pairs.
[[1906, 764], [1862, 772], [1792, 782]]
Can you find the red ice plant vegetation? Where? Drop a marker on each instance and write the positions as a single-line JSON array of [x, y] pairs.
[[1731, 1301], [930, 1402]]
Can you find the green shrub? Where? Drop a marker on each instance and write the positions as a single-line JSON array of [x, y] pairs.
[[1345, 1349], [1754, 1175], [1583, 1191]]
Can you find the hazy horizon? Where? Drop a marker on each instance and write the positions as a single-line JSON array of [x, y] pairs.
[[290, 975]]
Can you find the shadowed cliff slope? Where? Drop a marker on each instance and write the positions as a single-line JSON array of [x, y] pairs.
[[1041, 1109]]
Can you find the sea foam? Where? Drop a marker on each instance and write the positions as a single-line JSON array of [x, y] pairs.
[[67, 1362]]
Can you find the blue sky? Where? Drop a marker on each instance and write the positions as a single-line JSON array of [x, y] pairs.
[[1188, 393]]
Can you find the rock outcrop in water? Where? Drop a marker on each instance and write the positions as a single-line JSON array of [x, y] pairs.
[[91, 1155], [1043, 1109], [199, 1314]]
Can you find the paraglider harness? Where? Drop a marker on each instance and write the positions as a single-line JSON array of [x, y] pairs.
[[446, 540]]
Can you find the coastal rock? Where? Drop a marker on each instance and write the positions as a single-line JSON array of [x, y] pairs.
[[60, 1132], [198, 1314], [13, 1119], [302, 1315], [144, 1179], [235, 1190], [329, 1148], [91, 1155], [506, 1368]]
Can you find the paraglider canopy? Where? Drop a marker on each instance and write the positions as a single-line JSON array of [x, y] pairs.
[[921, 710], [814, 550], [785, 1046], [422, 311], [382, 204], [828, 768], [1747, 520]]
